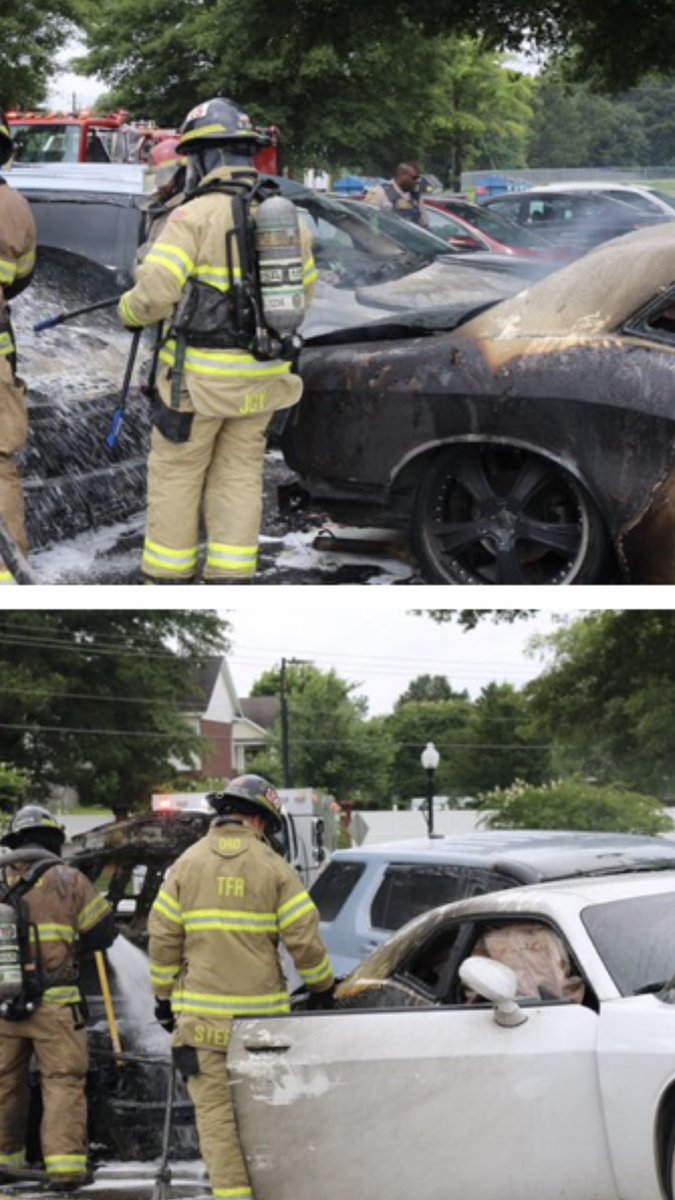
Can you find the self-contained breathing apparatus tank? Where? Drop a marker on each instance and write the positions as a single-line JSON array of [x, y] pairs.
[[280, 267], [11, 970]]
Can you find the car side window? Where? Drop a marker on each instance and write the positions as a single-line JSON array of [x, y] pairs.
[[535, 951], [481, 880], [636, 200], [507, 208], [409, 889], [333, 887], [657, 320]]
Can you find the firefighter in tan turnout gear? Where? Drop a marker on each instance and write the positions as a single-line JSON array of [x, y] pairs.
[[214, 935], [17, 263], [63, 913], [225, 368]]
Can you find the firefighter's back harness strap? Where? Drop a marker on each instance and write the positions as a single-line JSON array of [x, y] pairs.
[[204, 316]]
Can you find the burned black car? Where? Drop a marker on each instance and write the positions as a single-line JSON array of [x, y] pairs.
[[528, 441], [90, 221]]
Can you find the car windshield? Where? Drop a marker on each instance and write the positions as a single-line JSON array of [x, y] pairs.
[[498, 227], [408, 236], [636, 940], [46, 143]]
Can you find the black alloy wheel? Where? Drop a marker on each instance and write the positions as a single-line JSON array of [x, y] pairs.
[[501, 514]]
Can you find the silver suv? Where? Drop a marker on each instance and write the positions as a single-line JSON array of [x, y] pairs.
[[364, 894]]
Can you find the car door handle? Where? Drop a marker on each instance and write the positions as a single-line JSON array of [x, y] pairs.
[[255, 1047]]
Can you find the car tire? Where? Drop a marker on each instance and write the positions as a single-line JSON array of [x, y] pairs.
[[494, 513]]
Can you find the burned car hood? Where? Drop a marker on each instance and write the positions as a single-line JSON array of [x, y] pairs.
[[441, 282]]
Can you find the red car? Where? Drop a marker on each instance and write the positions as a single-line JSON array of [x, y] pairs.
[[467, 226]]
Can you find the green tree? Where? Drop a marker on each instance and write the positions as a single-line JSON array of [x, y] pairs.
[[574, 804], [574, 126], [430, 687], [498, 750], [470, 618], [14, 785], [410, 727], [33, 32], [331, 745], [91, 699], [607, 701], [653, 103], [480, 116]]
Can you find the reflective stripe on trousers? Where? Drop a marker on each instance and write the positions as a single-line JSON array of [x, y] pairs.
[[219, 469], [216, 1126]]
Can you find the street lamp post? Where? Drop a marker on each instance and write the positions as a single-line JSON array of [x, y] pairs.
[[430, 759]]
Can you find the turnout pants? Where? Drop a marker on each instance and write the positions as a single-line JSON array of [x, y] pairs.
[[58, 1039], [220, 469], [217, 1129], [13, 430]]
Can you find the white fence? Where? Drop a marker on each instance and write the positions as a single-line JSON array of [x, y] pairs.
[[371, 827]]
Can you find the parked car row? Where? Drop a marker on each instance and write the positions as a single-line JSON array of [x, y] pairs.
[[576, 217]]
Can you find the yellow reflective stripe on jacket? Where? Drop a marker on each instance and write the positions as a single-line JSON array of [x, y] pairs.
[[172, 258], [224, 364], [240, 1193], [6, 344], [163, 975], [52, 933], [201, 1004], [6, 577], [65, 1164], [216, 277], [25, 264], [7, 270], [5, 130], [224, 920], [92, 913], [127, 313], [310, 274], [232, 558], [181, 562], [317, 974], [294, 909], [62, 995], [168, 907]]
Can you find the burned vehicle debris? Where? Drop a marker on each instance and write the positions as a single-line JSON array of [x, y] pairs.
[[523, 442]]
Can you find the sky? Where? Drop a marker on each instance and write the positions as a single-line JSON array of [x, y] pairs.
[[376, 642]]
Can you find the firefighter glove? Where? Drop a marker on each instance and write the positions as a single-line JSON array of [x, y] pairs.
[[164, 1014], [324, 999]]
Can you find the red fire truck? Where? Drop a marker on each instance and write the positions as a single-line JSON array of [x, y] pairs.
[[86, 137]]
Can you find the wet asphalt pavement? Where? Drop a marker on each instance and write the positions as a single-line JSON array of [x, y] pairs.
[[288, 555], [119, 1181]]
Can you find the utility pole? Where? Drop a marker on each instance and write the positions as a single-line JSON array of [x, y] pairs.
[[283, 688], [284, 724]]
